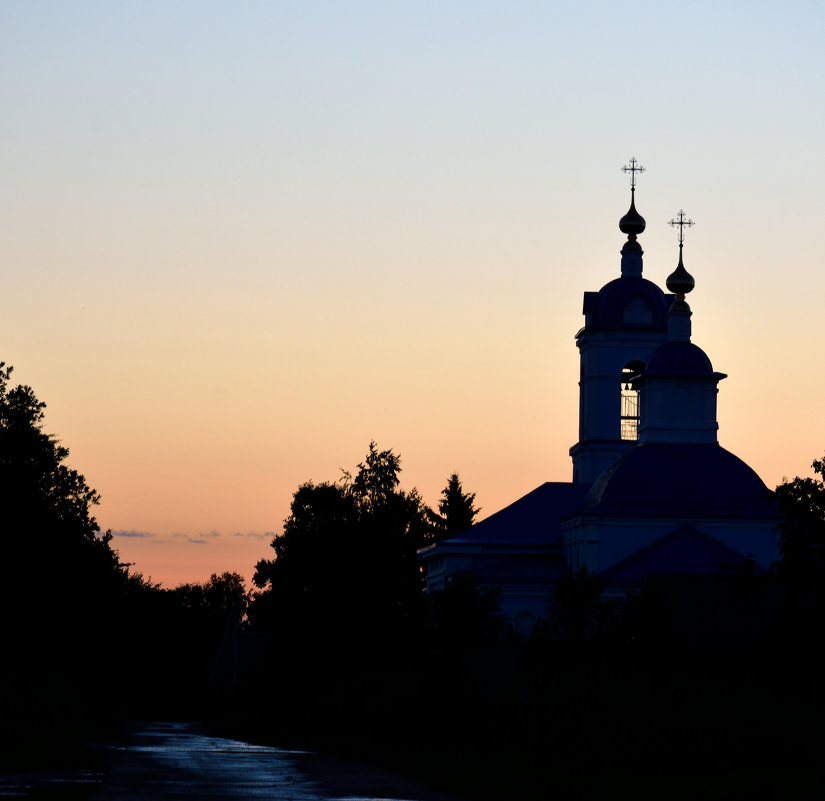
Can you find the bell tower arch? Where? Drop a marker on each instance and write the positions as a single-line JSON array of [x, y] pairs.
[[624, 322]]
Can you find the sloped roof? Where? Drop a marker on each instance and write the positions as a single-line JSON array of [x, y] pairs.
[[534, 519], [685, 550]]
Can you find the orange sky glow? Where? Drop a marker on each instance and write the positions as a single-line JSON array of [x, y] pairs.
[[240, 242]]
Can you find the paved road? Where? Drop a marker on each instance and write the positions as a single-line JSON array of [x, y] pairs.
[[181, 761]]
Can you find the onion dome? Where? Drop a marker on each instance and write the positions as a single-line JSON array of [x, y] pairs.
[[680, 281], [632, 223]]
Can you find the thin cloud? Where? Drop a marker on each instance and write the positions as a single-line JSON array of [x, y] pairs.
[[201, 538], [204, 538], [255, 535]]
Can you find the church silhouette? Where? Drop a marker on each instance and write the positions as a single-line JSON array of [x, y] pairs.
[[653, 492]]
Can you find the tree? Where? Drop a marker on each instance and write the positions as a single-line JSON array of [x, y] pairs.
[[345, 566], [576, 609], [59, 572], [457, 508], [375, 486], [214, 602], [71, 613], [802, 530], [463, 614]]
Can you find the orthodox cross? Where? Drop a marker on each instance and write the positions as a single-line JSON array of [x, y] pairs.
[[633, 168], [683, 222]]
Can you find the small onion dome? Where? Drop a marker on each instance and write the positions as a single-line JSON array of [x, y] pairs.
[[680, 281], [632, 223]]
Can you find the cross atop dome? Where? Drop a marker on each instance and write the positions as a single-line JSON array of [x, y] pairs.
[[632, 224], [682, 222], [633, 168], [680, 281]]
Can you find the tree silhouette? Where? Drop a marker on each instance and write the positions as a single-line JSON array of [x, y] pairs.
[[58, 572], [576, 607], [457, 508], [214, 602], [345, 566], [802, 530], [463, 614], [71, 613]]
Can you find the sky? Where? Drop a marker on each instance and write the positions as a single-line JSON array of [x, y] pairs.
[[241, 240]]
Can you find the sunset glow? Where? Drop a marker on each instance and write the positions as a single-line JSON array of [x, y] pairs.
[[241, 241]]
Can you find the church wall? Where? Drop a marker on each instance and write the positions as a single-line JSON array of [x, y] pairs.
[[603, 356], [678, 411], [522, 607], [598, 543]]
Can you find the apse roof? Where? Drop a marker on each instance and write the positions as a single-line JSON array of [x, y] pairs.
[[676, 479]]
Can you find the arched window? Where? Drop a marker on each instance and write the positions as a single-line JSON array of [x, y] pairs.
[[630, 401]]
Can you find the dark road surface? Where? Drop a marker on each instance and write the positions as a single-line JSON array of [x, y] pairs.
[[181, 761]]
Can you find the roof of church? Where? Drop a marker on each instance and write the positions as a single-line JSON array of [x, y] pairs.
[[629, 301], [531, 520], [678, 479], [678, 359], [685, 550]]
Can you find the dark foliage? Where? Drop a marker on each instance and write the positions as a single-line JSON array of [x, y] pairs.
[[69, 608], [578, 615], [457, 510], [802, 531], [61, 582], [215, 604], [463, 615], [345, 569]]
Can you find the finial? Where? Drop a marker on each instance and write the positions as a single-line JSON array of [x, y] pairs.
[[633, 168], [632, 223], [680, 281], [683, 222]]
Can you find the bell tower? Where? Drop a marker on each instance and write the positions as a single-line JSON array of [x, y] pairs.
[[623, 323]]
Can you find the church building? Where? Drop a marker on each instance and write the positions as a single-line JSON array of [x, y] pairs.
[[653, 492]]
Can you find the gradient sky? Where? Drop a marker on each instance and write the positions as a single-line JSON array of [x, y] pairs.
[[241, 240]]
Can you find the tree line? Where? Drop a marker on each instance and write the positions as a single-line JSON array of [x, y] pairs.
[[344, 569], [347, 642]]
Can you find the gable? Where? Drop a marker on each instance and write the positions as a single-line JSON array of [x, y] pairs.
[[683, 551]]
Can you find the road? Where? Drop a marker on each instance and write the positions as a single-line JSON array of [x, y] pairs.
[[181, 761]]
